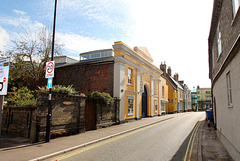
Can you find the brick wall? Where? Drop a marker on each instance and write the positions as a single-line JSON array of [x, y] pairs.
[[87, 78]]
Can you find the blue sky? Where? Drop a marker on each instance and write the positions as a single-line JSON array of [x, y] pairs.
[[173, 31]]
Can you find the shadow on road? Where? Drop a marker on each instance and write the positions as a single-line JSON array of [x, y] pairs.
[[180, 154]]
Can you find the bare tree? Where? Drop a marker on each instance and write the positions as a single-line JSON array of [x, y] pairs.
[[29, 53]]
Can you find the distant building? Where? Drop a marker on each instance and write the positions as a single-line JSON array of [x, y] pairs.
[[224, 72], [194, 98], [180, 93], [63, 60], [96, 54], [176, 94], [204, 98], [187, 99]]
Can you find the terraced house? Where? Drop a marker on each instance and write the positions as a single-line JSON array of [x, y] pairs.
[[224, 72], [172, 105]]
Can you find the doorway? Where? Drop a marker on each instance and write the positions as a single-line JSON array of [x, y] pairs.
[[144, 102], [90, 116]]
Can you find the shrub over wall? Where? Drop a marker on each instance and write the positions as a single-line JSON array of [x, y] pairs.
[[104, 99], [59, 89], [22, 97]]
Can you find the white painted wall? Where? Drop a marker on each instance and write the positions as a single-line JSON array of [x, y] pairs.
[[228, 118], [118, 89]]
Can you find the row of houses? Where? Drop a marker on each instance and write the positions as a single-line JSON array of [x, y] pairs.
[[129, 74]]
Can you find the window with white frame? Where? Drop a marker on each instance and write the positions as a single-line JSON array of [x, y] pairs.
[[130, 105], [229, 89], [219, 40], [129, 76], [236, 4], [156, 105]]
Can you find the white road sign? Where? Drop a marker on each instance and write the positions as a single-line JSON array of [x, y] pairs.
[[50, 69], [4, 72]]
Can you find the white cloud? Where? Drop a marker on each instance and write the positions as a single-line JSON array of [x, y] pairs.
[[77, 43], [4, 38], [108, 13], [22, 21], [19, 12], [16, 26]]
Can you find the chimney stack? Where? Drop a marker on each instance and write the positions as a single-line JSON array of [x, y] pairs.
[[176, 76], [163, 67], [169, 71]]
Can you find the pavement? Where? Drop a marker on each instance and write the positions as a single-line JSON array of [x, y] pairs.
[[206, 145]]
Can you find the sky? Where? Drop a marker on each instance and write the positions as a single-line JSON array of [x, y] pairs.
[[175, 32]]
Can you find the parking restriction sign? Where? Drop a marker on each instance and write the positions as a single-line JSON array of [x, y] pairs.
[[50, 69]]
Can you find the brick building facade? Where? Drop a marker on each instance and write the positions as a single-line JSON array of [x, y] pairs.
[[87, 76]]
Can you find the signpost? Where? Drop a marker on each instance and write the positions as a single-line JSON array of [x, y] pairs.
[[4, 73], [50, 74]]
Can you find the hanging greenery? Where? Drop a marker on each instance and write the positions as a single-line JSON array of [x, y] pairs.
[[103, 98]]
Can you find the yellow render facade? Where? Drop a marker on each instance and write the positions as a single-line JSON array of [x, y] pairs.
[[164, 95], [137, 82], [172, 98]]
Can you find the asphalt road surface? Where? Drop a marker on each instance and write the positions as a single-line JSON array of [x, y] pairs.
[[163, 141]]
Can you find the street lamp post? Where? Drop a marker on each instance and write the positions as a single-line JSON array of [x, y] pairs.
[[49, 115]]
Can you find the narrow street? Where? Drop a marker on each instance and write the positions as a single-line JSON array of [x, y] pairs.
[[160, 141]]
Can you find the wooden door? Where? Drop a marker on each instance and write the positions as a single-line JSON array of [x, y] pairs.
[[90, 116]]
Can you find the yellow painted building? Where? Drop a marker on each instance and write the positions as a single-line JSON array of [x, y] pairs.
[[172, 97], [175, 90], [164, 95], [137, 82]]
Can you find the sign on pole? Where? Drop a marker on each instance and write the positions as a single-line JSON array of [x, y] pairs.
[[49, 85], [50, 69], [4, 73]]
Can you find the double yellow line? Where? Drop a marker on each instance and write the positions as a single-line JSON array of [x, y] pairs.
[[191, 141], [65, 156]]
